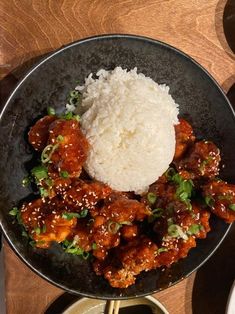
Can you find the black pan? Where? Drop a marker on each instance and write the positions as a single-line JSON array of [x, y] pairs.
[[201, 101]]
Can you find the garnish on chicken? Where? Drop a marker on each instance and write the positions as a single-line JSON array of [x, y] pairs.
[[126, 233]]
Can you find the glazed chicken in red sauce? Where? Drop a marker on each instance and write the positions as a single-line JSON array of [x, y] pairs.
[[125, 233], [201, 161], [72, 146], [62, 142], [184, 138], [111, 218], [45, 222], [220, 197], [127, 261], [39, 133]]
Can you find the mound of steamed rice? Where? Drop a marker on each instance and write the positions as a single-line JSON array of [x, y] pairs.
[[129, 122]]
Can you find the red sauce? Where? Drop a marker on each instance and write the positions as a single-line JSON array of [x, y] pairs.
[[125, 234]]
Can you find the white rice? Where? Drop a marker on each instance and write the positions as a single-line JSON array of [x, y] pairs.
[[129, 122]]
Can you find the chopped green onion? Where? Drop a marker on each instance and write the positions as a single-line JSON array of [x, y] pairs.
[[113, 227], [66, 243], [60, 138], [170, 173], [68, 115], [188, 203], [47, 152], [183, 196], [194, 229], [84, 213], [14, 211], [40, 242], [151, 197], [75, 251], [73, 93], [24, 234], [170, 221], [128, 223], [204, 163], [184, 189], [232, 207], [19, 218], [37, 230], [156, 213], [70, 247], [74, 97], [32, 243], [44, 228], [43, 192], [49, 182], [175, 231], [176, 178], [94, 246], [77, 117], [50, 111], [85, 255], [225, 197], [162, 249], [209, 201], [70, 216], [64, 174], [26, 181], [193, 215], [39, 172]]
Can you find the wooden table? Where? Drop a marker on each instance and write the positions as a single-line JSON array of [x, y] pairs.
[[32, 28]]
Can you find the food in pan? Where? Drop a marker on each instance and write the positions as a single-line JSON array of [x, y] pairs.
[[94, 198]]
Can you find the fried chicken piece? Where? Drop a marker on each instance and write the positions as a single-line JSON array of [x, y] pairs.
[[57, 229], [85, 194], [201, 161], [163, 191], [108, 223], [82, 235], [33, 214], [45, 223], [39, 133], [55, 186], [220, 197], [124, 210], [104, 237], [127, 262], [184, 138], [166, 196], [61, 185], [129, 232], [178, 230], [70, 147], [179, 249]]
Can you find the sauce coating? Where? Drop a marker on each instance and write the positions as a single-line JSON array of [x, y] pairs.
[[126, 233]]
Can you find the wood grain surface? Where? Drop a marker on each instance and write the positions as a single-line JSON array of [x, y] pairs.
[[32, 28]]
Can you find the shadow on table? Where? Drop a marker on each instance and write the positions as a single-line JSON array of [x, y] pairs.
[[229, 23], [213, 280], [225, 25], [9, 82]]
